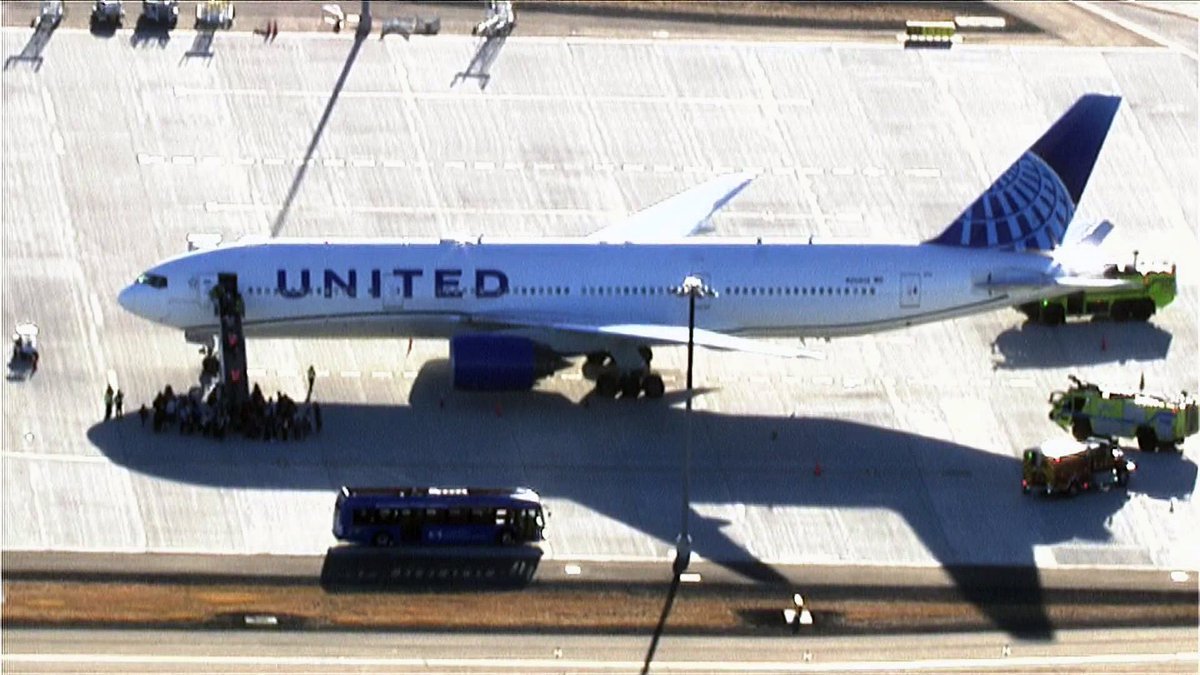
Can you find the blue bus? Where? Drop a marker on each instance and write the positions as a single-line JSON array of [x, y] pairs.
[[434, 515]]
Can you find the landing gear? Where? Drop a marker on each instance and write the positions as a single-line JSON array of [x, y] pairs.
[[652, 384], [613, 379], [593, 367]]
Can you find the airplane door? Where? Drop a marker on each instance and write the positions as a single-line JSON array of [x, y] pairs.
[[910, 290], [201, 286]]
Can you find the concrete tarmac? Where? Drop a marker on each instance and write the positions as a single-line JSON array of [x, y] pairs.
[[899, 449]]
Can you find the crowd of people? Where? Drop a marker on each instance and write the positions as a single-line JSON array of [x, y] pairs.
[[275, 418]]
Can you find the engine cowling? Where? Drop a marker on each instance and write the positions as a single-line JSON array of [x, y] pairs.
[[484, 362]]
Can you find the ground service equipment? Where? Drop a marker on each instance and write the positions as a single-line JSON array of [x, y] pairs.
[[1154, 421], [1150, 289], [165, 12], [1067, 466]]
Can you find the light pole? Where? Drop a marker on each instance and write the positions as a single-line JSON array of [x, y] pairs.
[[693, 287]]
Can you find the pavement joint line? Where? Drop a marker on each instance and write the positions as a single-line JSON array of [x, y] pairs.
[[923, 172], [454, 164], [381, 375], [351, 373]]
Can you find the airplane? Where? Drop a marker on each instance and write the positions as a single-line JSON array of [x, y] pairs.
[[514, 309]]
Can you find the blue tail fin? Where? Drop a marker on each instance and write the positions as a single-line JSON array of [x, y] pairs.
[[1030, 206]]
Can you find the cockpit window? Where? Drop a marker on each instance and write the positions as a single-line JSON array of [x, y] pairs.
[[153, 280]]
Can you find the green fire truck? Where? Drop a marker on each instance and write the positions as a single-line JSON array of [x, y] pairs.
[[1156, 423], [1151, 287]]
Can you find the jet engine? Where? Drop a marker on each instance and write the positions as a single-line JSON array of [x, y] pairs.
[[484, 362]]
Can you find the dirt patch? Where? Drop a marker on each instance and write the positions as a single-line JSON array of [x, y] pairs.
[[566, 608]]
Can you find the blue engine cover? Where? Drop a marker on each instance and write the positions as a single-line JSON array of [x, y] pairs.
[[482, 362]]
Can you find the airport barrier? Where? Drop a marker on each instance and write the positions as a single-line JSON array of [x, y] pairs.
[[935, 34]]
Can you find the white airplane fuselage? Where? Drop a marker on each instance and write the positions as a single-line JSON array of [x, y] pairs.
[[382, 288]]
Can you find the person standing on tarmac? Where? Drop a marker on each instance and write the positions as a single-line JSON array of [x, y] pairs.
[[119, 403], [108, 402], [312, 379]]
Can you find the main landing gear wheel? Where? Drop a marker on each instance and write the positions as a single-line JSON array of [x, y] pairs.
[[608, 384], [593, 367], [631, 386], [652, 384]]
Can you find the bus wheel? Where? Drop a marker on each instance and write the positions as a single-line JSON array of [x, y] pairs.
[[1081, 429], [1119, 311], [1143, 310], [1147, 439], [383, 539], [506, 538]]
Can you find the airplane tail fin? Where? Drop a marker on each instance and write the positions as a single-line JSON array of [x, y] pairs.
[[1033, 202]]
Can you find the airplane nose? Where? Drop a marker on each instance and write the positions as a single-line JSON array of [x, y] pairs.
[[125, 300], [133, 299]]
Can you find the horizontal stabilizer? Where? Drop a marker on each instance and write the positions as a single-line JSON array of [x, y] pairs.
[[676, 217], [1092, 234], [1052, 282], [1092, 283]]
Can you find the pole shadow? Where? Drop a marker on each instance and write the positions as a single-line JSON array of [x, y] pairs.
[[281, 218], [662, 624]]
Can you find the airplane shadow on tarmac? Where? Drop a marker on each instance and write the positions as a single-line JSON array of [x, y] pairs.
[[623, 460], [1032, 345]]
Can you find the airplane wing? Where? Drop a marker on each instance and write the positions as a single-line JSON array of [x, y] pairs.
[[1054, 283], [676, 217], [704, 338], [656, 334]]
